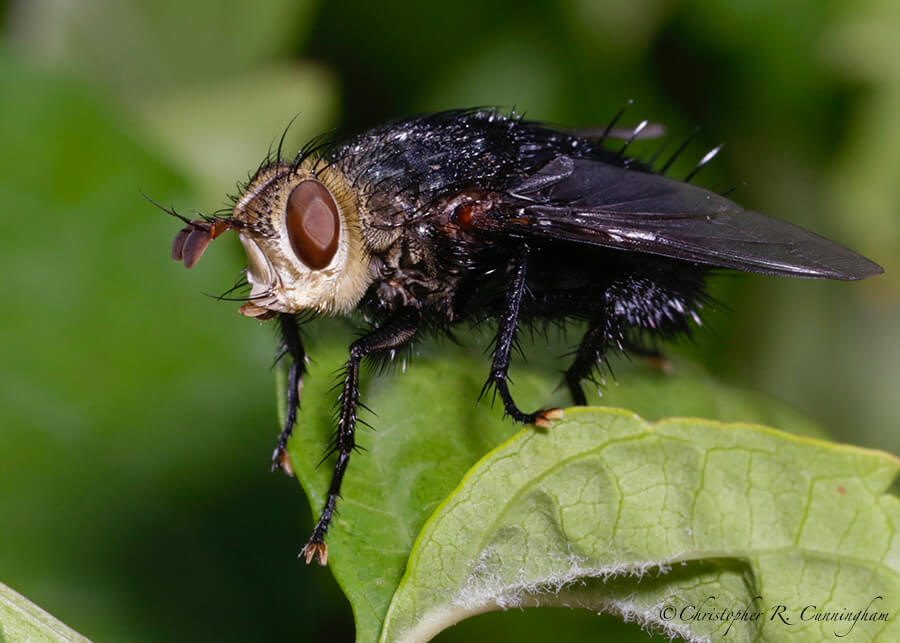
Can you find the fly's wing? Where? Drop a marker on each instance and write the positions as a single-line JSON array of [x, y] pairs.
[[591, 202]]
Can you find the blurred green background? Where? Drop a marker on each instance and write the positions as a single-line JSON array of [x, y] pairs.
[[137, 416]]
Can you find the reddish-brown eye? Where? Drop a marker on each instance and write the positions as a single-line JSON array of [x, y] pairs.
[[313, 224]]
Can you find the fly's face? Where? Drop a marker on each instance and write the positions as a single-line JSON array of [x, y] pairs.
[[301, 234]]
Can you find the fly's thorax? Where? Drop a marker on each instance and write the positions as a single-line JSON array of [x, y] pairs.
[[301, 232]]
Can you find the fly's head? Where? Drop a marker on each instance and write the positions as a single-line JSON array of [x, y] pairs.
[[301, 233]]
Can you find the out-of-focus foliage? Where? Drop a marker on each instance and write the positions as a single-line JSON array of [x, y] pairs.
[[136, 415], [139, 49], [211, 83]]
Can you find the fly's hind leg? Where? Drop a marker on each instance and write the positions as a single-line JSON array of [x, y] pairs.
[[506, 335], [393, 334], [637, 306], [590, 354], [653, 356], [587, 358]]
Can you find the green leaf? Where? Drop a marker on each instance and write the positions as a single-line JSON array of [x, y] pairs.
[[22, 620], [608, 512], [428, 432]]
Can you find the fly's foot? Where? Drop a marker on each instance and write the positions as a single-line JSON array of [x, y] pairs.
[[653, 357], [661, 364], [281, 460], [544, 418], [315, 550]]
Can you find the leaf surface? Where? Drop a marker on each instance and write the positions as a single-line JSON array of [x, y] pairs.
[[660, 523], [22, 620], [427, 432]]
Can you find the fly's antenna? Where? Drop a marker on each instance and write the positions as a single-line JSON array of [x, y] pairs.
[[191, 241], [172, 213], [681, 148], [637, 130], [709, 156], [615, 120]]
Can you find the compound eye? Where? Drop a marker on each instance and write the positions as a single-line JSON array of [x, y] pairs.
[[313, 224]]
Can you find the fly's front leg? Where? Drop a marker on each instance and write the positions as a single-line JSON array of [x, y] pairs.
[[293, 346], [506, 335], [392, 334]]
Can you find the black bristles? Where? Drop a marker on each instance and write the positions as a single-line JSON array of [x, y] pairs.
[[278, 155], [681, 148], [706, 159], [240, 283], [248, 299], [634, 135], [615, 120]]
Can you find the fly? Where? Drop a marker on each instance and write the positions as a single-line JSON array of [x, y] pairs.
[[468, 216]]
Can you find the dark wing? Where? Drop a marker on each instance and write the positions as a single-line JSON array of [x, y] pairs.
[[588, 201]]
